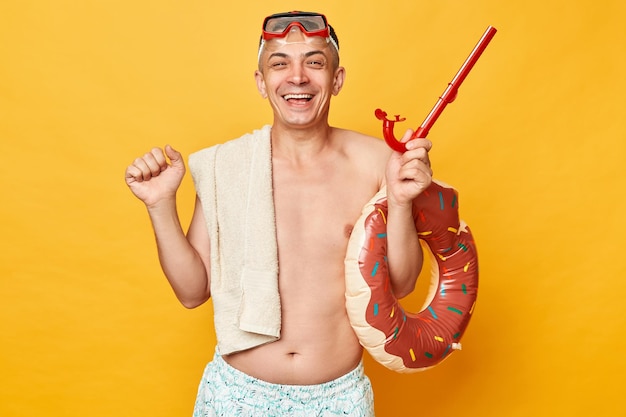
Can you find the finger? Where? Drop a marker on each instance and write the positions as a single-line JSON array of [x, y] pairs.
[[141, 170], [419, 154], [176, 158], [407, 136], [415, 170], [417, 159], [419, 143], [133, 174], [155, 161]]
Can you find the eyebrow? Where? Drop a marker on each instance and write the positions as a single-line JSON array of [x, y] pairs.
[[311, 53], [306, 55]]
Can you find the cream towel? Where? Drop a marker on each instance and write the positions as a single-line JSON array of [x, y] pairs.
[[234, 184]]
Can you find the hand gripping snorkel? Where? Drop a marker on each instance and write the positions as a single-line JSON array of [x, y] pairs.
[[448, 96]]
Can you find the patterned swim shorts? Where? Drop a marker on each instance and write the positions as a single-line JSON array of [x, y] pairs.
[[228, 392]]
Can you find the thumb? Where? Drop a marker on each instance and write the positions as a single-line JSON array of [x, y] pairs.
[[175, 157], [407, 136]]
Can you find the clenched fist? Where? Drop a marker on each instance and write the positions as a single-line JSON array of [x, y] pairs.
[[152, 179]]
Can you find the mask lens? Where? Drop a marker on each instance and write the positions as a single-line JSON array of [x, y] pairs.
[[276, 25], [280, 24], [311, 24]]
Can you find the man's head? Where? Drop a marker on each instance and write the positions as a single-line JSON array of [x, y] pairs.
[[299, 68], [314, 26]]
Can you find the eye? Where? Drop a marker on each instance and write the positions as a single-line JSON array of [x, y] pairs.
[[277, 63], [316, 63]]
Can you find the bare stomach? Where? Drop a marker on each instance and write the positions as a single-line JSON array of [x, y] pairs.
[[317, 342], [312, 350]]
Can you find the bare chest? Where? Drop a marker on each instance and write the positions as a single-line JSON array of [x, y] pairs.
[[315, 213]]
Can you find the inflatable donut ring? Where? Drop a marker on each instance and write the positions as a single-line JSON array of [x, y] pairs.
[[399, 340]]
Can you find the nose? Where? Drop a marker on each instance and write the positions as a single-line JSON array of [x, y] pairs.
[[298, 75]]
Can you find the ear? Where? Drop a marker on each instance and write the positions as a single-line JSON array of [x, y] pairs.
[[260, 83], [340, 76]]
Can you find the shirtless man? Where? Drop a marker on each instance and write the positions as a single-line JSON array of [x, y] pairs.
[[316, 168]]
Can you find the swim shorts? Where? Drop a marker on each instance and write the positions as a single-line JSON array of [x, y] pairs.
[[228, 392]]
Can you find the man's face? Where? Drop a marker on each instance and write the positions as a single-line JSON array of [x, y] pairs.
[[299, 74]]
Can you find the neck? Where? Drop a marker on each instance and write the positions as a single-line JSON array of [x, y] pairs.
[[299, 143]]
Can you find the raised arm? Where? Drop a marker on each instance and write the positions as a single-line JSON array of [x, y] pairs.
[[184, 258], [408, 174]]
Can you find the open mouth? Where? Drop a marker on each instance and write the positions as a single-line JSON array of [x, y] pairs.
[[295, 98]]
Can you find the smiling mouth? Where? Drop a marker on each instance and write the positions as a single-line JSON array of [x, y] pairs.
[[298, 97]]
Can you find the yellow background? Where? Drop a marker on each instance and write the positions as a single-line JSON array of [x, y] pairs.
[[535, 144]]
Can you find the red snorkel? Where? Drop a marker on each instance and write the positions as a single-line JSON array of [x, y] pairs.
[[448, 96]]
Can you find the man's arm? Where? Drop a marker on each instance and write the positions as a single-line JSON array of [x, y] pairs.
[[408, 175], [185, 260]]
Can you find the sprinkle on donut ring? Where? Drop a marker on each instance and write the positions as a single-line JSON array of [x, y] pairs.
[[400, 340]]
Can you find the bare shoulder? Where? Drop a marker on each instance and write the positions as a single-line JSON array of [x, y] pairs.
[[366, 154], [361, 145]]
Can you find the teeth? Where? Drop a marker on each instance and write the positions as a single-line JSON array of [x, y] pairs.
[[297, 96]]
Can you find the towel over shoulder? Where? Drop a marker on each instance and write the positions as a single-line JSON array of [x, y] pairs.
[[234, 184]]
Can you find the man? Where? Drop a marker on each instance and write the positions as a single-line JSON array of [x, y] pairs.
[[321, 177]]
